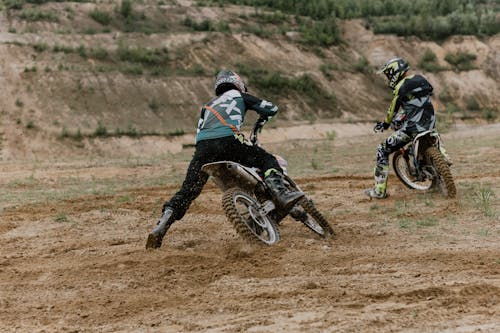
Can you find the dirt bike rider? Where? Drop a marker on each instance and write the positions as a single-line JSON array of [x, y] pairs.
[[219, 139], [411, 112]]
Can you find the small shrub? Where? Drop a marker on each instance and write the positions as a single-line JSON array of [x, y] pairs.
[[101, 17], [19, 103], [126, 9], [177, 132], [471, 104], [445, 95], [461, 61], [40, 47], [32, 69], [101, 130], [30, 124], [153, 104], [490, 114], [362, 65], [429, 62]]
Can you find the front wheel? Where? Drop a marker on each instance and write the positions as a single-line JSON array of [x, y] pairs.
[[314, 220], [242, 210], [402, 168], [443, 179]]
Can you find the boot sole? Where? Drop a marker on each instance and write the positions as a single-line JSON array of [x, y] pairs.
[[290, 205], [153, 242]]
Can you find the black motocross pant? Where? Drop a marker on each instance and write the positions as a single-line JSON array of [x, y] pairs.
[[420, 121], [209, 151]]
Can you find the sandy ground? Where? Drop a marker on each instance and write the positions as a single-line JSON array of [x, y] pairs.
[[411, 263]]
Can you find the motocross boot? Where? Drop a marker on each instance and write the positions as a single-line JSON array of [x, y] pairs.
[[283, 197], [379, 191], [155, 237]]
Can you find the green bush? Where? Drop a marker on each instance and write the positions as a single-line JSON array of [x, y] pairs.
[[362, 65], [321, 33], [461, 61], [101, 130], [471, 103], [423, 18], [277, 84], [34, 14], [150, 57], [126, 9], [429, 62], [101, 17]]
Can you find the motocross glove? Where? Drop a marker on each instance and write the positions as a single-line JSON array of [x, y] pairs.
[[380, 126]]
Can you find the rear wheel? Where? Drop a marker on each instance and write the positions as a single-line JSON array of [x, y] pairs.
[[242, 210], [404, 173], [443, 178], [315, 221]]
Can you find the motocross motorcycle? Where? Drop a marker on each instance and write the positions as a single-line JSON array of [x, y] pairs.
[[248, 204], [422, 165]]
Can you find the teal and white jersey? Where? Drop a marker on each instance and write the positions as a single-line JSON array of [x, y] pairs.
[[231, 106]]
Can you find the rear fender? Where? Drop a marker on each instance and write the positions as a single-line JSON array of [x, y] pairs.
[[227, 174], [427, 138]]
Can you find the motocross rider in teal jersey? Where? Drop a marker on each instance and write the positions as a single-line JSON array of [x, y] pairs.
[[219, 139]]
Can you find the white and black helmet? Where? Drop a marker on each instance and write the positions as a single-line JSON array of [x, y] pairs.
[[226, 80]]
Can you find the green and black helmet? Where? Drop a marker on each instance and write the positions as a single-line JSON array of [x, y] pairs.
[[226, 80], [394, 70]]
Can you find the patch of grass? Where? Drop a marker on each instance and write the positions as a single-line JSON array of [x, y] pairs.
[[401, 207], [331, 135], [315, 164], [405, 223], [124, 198], [482, 199], [426, 222], [61, 217], [177, 132]]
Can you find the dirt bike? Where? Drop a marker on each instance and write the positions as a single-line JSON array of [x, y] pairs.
[[421, 164], [248, 203]]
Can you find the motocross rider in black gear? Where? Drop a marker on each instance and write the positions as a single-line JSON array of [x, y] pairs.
[[411, 112]]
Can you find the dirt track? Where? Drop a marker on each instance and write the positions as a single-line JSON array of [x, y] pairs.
[[411, 263]]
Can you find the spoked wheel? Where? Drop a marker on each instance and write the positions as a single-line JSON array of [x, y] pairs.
[[242, 210], [444, 179], [314, 220], [402, 170]]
